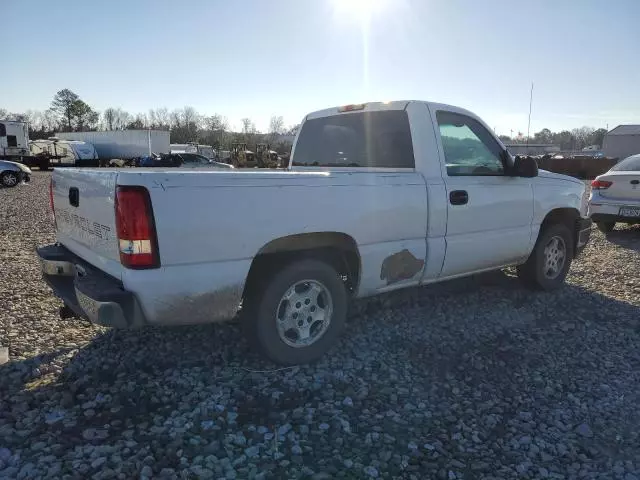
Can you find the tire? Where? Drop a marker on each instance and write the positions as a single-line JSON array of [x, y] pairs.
[[538, 271], [9, 179], [268, 310], [605, 227]]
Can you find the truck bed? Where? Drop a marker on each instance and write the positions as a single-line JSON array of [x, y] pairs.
[[210, 225]]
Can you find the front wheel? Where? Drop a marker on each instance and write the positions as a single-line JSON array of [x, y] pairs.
[[9, 179], [548, 265], [299, 314]]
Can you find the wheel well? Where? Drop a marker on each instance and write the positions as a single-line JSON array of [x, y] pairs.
[[566, 216], [338, 249], [563, 216]]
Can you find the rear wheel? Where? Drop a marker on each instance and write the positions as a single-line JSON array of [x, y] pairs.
[[299, 314], [605, 227], [548, 265], [9, 179]]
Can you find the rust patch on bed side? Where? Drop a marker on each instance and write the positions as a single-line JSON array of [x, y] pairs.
[[208, 307], [400, 266]]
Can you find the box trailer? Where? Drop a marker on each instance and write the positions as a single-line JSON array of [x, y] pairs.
[[125, 145]]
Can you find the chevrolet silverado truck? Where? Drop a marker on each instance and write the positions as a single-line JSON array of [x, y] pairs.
[[376, 197]]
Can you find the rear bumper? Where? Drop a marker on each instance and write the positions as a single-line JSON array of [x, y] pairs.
[[610, 212], [583, 233], [89, 292]]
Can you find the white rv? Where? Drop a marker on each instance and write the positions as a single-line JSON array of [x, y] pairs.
[[14, 145], [65, 152], [14, 140]]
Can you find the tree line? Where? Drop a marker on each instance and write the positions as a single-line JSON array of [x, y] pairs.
[[69, 113], [567, 140]]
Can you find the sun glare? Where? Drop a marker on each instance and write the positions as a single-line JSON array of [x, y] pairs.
[[360, 15], [359, 10]]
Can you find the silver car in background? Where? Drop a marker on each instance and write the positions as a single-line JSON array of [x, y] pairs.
[[13, 173], [615, 195]]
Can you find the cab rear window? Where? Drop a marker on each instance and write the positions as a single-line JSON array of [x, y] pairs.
[[364, 139]]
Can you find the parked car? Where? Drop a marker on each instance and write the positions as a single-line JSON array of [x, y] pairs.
[[197, 160], [180, 160], [13, 173], [615, 195], [378, 197]]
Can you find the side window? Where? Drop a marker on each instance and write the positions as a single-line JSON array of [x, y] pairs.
[[469, 149], [12, 141], [3, 130]]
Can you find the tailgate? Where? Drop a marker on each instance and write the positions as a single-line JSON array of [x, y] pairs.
[[84, 206]]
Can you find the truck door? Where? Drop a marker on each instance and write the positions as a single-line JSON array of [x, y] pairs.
[[489, 213]]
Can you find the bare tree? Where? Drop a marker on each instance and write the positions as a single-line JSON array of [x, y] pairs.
[[175, 118], [116, 119], [248, 127], [35, 119], [189, 115], [217, 123], [249, 130], [160, 118], [49, 120], [582, 136], [139, 123], [276, 127], [292, 130], [214, 130], [109, 117]]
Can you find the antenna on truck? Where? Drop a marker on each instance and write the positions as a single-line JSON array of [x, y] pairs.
[[529, 123]]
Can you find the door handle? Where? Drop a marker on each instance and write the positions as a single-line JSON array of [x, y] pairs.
[[459, 197], [74, 196], [635, 182]]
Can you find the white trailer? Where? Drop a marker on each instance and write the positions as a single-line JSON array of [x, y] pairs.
[[123, 145], [65, 152]]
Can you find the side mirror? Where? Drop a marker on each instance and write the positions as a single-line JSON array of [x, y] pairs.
[[526, 167]]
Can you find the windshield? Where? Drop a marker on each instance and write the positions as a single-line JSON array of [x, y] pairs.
[[629, 164]]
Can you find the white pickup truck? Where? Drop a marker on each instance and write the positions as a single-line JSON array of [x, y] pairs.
[[377, 197]]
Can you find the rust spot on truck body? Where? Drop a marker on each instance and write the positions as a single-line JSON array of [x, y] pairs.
[[400, 266], [210, 307]]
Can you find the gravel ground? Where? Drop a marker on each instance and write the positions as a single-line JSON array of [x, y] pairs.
[[474, 379]]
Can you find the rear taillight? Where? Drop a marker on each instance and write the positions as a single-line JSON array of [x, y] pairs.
[[601, 184], [136, 228], [51, 201]]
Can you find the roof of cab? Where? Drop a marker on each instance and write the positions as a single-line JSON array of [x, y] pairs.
[[380, 106], [368, 107]]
